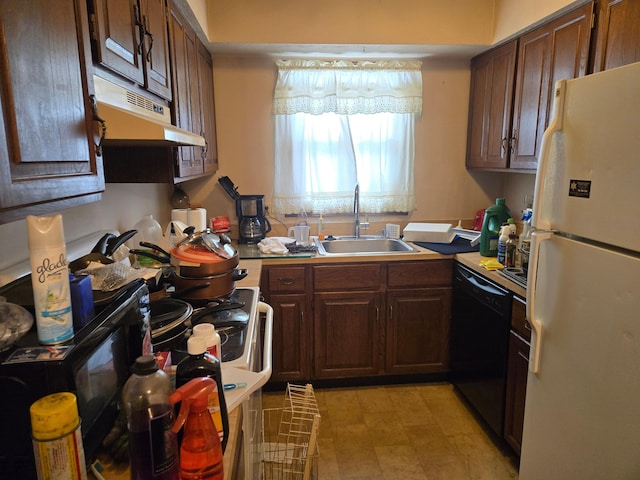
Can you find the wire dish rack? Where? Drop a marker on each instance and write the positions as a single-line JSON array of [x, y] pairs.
[[290, 434]]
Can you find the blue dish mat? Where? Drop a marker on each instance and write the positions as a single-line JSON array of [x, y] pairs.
[[459, 245]]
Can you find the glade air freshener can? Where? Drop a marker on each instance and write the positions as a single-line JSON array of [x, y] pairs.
[[57, 438], [50, 279]]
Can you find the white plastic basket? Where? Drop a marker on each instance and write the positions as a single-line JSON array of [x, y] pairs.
[[290, 447]]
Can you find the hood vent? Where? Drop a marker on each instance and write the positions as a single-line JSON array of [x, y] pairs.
[[135, 120]]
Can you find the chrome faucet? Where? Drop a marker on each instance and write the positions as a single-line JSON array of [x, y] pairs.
[[357, 224], [356, 212]]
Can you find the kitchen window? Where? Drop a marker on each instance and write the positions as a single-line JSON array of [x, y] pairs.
[[342, 123]]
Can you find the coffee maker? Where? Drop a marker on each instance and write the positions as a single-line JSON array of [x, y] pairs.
[[253, 224]]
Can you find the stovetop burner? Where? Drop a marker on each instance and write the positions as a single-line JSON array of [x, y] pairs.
[[517, 275], [232, 324]]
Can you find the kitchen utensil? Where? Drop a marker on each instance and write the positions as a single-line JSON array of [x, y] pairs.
[[102, 251]]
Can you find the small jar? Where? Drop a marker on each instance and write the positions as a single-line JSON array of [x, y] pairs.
[[57, 438]]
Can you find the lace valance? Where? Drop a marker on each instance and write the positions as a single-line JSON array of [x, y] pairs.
[[348, 87]]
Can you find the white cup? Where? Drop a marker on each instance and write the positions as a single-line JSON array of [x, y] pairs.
[[300, 233]]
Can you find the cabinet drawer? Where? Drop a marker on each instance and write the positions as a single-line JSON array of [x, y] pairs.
[[363, 276], [420, 274], [518, 318], [286, 279]]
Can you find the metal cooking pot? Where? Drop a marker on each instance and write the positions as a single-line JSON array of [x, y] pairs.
[[208, 287], [191, 260]]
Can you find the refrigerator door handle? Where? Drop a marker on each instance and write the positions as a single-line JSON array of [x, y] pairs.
[[555, 125], [537, 237]]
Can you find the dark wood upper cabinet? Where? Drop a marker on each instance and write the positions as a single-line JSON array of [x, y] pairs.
[[510, 98], [617, 39], [490, 107], [48, 155], [192, 98], [557, 50], [130, 38]]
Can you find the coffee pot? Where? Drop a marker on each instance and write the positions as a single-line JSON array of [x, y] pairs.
[[252, 219]]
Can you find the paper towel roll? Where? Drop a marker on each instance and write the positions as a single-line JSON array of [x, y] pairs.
[[198, 218], [179, 215]]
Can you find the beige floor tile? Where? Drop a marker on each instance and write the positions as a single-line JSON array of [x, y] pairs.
[[404, 432]]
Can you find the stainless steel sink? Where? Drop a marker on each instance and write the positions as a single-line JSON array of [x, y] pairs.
[[365, 245]]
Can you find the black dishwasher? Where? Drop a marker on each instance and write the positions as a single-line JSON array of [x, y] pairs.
[[481, 315]]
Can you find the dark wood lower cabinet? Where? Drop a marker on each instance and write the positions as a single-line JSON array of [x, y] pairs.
[[336, 321], [291, 350], [516, 390], [346, 338], [517, 372], [418, 330]]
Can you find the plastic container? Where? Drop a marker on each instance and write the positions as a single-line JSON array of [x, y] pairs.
[[57, 438], [50, 279], [211, 337], [201, 456], [502, 242], [201, 364], [494, 217], [153, 446], [149, 230]]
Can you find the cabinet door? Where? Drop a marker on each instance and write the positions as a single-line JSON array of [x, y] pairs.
[[492, 79], [184, 58], [418, 330], [291, 351], [557, 50], [119, 44], [156, 47], [347, 334], [209, 153], [617, 34], [517, 371], [47, 150]]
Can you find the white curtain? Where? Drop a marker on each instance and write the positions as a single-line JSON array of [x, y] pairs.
[[341, 123]]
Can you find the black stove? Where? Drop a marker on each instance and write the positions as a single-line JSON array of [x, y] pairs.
[[233, 319]]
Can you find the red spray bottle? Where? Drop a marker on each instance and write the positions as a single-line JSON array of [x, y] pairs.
[[200, 449]]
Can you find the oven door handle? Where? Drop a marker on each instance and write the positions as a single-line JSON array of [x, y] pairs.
[[266, 347]]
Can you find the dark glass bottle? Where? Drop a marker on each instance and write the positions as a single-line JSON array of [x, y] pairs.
[[153, 447]]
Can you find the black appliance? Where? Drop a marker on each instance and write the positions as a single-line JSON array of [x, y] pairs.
[[253, 224], [232, 319], [479, 339], [94, 366]]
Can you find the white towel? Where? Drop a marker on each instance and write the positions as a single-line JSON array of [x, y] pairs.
[[275, 245]]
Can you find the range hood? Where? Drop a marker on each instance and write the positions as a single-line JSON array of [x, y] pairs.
[[133, 119]]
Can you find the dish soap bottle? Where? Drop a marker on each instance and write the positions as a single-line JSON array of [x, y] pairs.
[[200, 450], [153, 447]]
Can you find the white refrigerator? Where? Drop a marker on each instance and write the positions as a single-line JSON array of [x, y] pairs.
[[582, 414]]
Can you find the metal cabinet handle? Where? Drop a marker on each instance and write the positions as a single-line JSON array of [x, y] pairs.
[[150, 35], [103, 124], [286, 280]]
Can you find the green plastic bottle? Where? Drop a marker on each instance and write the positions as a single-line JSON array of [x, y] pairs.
[[494, 217]]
